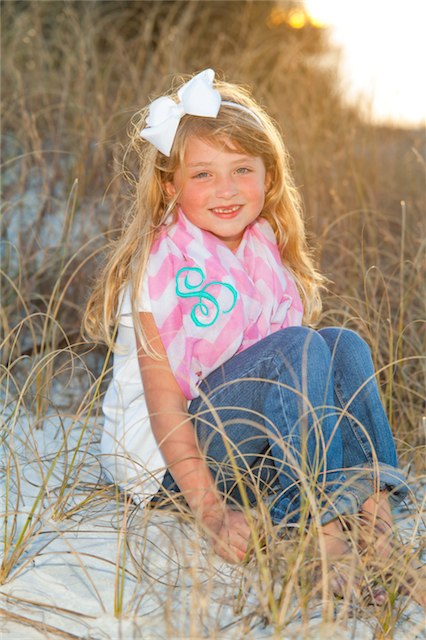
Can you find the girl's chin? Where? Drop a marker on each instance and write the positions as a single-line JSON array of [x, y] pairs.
[[232, 242]]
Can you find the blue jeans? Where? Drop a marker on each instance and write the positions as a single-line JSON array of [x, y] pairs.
[[294, 416]]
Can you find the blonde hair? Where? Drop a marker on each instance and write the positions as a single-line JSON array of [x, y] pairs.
[[255, 135]]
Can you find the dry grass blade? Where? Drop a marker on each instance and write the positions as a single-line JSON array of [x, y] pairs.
[[75, 549]]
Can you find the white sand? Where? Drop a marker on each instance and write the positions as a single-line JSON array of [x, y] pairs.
[[66, 582]]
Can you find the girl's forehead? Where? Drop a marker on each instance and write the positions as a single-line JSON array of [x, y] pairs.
[[199, 147]]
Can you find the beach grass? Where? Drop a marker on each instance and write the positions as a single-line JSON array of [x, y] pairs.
[[79, 559]]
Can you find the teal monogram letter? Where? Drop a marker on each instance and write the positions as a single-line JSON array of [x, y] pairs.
[[202, 314]]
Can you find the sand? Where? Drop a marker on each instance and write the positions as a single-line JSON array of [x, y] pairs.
[[66, 582]]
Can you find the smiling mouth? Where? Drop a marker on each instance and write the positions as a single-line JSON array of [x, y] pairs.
[[226, 212]]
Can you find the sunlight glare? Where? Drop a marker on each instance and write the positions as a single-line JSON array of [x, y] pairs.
[[383, 49], [297, 18]]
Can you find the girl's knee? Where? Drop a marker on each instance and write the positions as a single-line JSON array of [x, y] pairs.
[[299, 335], [345, 341], [302, 343]]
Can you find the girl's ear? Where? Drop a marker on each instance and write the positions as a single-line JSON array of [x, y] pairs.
[[170, 189]]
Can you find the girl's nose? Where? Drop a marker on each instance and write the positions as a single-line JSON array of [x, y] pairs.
[[225, 187]]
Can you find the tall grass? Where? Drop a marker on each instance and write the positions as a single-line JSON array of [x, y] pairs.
[[72, 74]]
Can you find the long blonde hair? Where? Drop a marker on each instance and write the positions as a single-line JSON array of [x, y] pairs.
[[255, 135]]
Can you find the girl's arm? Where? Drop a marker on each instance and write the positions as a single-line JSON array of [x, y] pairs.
[[174, 433]]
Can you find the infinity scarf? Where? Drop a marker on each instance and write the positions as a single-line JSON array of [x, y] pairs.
[[209, 303]]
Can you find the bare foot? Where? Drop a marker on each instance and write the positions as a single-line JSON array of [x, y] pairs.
[[339, 559], [377, 527], [385, 554], [335, 542], [413, 583]]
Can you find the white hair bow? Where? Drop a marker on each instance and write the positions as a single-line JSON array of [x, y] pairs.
[[196, 98]]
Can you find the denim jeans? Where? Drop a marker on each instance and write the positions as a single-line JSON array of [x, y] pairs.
[[294, 416]]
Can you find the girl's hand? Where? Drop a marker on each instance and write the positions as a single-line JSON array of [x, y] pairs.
[[229, 533]]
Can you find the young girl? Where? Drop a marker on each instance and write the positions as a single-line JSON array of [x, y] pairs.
[[221, 392]]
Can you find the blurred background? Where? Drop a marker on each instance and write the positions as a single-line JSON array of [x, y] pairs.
[[382, 52], [342, 79]]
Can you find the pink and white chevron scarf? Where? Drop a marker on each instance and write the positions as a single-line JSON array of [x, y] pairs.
[[210, 303]]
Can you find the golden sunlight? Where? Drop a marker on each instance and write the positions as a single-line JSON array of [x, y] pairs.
[[297, 18], [383, 48]]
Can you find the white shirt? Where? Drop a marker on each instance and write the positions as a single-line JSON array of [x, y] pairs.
[[130, 454]]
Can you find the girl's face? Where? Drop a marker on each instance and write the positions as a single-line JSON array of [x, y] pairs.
[[220, 191]]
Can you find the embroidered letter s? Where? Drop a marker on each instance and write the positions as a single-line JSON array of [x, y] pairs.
[[206, 311]]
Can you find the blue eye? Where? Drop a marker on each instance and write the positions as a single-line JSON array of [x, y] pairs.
[[202, 174], [243, 170]]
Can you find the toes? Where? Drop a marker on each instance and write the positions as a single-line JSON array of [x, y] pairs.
[[373, 593], [379, 595], [338, 585], [340, 579]]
